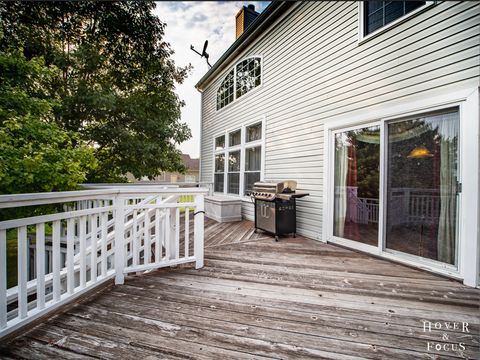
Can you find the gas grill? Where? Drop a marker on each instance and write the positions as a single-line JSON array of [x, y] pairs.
[[275, 207]]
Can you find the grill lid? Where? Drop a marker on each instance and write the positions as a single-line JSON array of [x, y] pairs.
[[270, 190], [276, 187]]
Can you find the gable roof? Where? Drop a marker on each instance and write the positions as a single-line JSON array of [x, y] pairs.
[[260, 24]]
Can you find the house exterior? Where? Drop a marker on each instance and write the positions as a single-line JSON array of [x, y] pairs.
[[373, 108], [190, 176]]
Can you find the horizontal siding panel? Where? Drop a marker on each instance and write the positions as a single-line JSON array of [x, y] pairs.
[[357, 59], [288, 154], [299, 144], [305, 161], [410, 86], [305, 132]]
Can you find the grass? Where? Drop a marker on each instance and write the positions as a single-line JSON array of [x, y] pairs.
[[185, 199]]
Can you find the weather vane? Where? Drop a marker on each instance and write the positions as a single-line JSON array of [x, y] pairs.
[[203, 53]]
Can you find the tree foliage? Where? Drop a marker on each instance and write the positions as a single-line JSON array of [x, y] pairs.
[[35, 153], [117, 82]]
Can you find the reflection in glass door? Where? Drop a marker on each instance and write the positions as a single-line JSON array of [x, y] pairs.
[[421, 198], [356, 185]]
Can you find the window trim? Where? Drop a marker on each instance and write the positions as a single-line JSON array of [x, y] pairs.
[[242, 147], [361, 24], [225, 73]]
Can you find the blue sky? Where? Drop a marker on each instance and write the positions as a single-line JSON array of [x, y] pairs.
[[191, 23]]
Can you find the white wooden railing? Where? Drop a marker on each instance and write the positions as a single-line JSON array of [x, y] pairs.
[[406, 205], [104, 233]]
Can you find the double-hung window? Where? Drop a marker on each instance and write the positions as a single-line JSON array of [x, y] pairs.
[[253, 155], [238, 162], [219, 166], [233, 171]]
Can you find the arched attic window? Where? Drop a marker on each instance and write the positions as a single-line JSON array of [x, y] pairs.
[[248, 75], [225, 92], [245, 76]]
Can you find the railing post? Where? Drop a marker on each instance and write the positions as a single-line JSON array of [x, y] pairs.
[[3, 279], [119, 214], [199, 227]]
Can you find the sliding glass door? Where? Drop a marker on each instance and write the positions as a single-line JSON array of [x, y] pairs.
[[422, 168], [356, 204], [419, 186]]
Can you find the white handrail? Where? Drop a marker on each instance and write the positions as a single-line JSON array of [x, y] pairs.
[[17, 200], [143, 233]]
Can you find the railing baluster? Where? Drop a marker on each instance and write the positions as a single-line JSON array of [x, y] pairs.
[[135, 238], [3, 279], [82, 240], [22, 272], [167, 235], [177, 233], [93, 247], [103, 255], [157, 236], [146, 238], [198, 226], [56, 260], [119, 215], [187, 230], [70, 254], [40, 248], [162, 236]]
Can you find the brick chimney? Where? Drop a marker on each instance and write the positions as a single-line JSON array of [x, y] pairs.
[[244, 18]]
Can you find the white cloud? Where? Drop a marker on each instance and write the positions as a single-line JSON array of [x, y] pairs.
[[191, 23]]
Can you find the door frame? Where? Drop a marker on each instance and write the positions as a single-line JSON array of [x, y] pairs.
[[467, 101]]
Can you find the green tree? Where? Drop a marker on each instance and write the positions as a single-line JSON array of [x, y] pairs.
[[117, 87], [35, 153]]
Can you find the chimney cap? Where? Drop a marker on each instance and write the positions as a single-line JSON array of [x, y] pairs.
[[251, 7]]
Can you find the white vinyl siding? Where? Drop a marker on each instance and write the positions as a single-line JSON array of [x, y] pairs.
[[315, 70]]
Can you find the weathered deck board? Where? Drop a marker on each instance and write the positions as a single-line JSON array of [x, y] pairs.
[[257, 299]]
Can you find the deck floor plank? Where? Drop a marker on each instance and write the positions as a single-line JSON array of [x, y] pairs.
[[263, 314], [260, 299]]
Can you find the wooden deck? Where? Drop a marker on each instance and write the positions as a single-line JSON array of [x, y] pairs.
[[255, 298]]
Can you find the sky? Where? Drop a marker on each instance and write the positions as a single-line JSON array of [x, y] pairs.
[[191, 23]]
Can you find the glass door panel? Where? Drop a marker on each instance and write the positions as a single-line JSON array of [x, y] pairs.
[[356, 185], [421, 198]]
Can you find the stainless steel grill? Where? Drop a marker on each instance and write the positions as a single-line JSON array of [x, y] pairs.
[[275, 207], [271, 190]]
